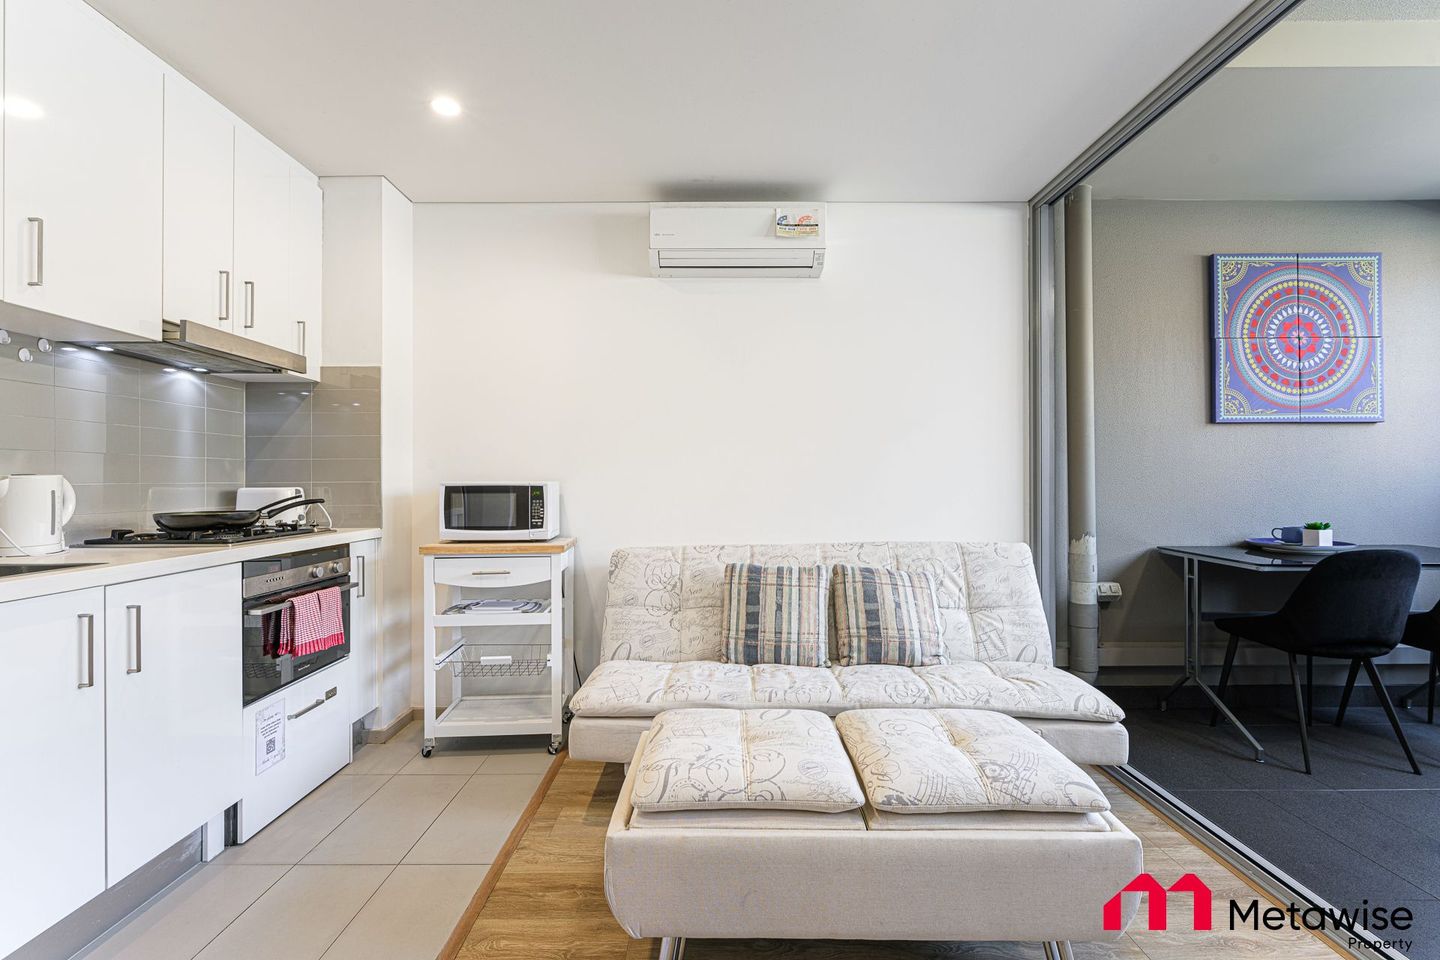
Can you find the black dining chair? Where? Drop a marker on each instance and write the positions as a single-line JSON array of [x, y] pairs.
[[1350, 606], [1422, 630]]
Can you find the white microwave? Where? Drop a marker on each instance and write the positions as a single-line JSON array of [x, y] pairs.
[[500, 511]]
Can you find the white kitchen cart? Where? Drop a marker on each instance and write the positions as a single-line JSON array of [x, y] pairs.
[[510, 673]]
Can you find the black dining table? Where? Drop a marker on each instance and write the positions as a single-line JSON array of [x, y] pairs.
[[1257, 561]]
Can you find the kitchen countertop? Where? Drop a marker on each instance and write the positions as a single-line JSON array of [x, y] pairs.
[[124, 564]]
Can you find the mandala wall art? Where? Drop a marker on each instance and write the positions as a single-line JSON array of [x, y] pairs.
[[1297, 338]]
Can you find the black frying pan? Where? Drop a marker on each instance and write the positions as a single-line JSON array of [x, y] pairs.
[[193, 520]]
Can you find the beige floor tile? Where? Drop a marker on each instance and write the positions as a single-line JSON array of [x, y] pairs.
[[387, 825], [300, 916], [475, 824], [446, 760], [411, 915], [296, 831], [390, 756], [517, 761], [181, 923]]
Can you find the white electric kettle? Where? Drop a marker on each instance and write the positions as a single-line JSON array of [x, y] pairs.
[[34, 508]]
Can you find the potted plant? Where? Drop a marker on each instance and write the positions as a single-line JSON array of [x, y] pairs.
[[1317, 533]]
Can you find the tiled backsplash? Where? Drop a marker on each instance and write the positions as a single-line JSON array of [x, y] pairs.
[[133, 439], [324, 438]]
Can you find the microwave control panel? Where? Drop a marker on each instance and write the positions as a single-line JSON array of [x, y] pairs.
[[537, 508]]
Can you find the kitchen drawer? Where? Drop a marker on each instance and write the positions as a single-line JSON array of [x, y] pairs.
[[317, 743], [501, 571]]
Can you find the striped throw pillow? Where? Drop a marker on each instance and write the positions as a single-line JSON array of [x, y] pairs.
[[886, 616], [775, 614]]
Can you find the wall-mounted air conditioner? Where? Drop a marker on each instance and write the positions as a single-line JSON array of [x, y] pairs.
[[737, 239]]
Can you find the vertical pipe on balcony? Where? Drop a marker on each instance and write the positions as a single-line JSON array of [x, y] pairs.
[[1084, 611]]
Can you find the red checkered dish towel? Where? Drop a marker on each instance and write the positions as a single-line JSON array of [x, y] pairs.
[[318, 623]]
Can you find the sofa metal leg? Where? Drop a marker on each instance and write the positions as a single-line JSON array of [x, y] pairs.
[[1058, 950], [672, 948]]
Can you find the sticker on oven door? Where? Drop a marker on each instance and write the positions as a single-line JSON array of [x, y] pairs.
[[269, 736]]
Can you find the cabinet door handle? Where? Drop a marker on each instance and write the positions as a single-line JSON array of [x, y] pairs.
[[301, 325], [224, 297], [249, 304], [319, 702], [37, 241], [133, 612], [490, 573], [87, 626], [361, 559]]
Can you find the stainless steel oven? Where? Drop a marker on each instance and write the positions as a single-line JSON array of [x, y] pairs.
[[268, 588]]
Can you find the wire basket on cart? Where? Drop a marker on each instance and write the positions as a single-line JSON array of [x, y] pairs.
[[483, 660]]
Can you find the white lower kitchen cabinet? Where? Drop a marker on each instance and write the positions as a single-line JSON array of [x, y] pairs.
[[52, 811], [365, 629], [294, 740], [173, 708]]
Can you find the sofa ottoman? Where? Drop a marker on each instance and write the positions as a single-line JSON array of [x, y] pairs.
[[960, 825]]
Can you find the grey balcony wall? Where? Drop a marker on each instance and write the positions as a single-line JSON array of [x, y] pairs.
[[1166, 474]]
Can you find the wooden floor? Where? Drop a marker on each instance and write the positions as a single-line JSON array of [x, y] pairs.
[[549, 901]]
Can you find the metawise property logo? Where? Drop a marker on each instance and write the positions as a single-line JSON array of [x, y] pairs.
[[1158, 918], [1360, 927]]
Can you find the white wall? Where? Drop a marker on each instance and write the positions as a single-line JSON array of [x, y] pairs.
[[884, 400], [369, 304], [352, 258]]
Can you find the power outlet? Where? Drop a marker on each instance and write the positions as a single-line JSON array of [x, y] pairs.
[[1107, 591]]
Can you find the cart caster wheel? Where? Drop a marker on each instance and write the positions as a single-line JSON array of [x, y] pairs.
[[426, 750], [554, 747]]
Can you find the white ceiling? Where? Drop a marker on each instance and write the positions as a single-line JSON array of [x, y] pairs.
[[680, 99], [1320, 108]]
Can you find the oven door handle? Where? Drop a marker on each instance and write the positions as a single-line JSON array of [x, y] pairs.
[[277, 607]]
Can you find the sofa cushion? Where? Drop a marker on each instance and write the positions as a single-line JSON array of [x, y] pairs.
[[885, 616], [960, 761], [1017, 689], [663, 603], [746, 759], [642, 688], [776, 614]]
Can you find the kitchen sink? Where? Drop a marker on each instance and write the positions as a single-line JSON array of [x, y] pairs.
[[19, 569]]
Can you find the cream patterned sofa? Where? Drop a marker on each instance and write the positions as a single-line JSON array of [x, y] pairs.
[[662, 647]]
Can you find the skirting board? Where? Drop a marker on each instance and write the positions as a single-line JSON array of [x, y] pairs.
[[381, 734]]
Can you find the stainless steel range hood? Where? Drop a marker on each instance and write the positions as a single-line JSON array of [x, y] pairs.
[[188, 345]]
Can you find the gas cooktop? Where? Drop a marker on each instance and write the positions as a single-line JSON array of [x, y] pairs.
[[202, 538]]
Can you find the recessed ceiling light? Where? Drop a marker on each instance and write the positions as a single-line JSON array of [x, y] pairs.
[[446, 106], [69, 349], [199, 369], [170, 370], [104, 349]]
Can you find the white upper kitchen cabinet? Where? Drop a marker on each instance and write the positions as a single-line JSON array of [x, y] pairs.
[[83, 168], [172, 710], [306, 227], [262, 244], [199, 206], [52, 809]]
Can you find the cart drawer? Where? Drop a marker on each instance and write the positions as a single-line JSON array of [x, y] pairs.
[[491, 571]]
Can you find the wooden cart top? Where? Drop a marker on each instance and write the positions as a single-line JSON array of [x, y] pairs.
[[477, 548]]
